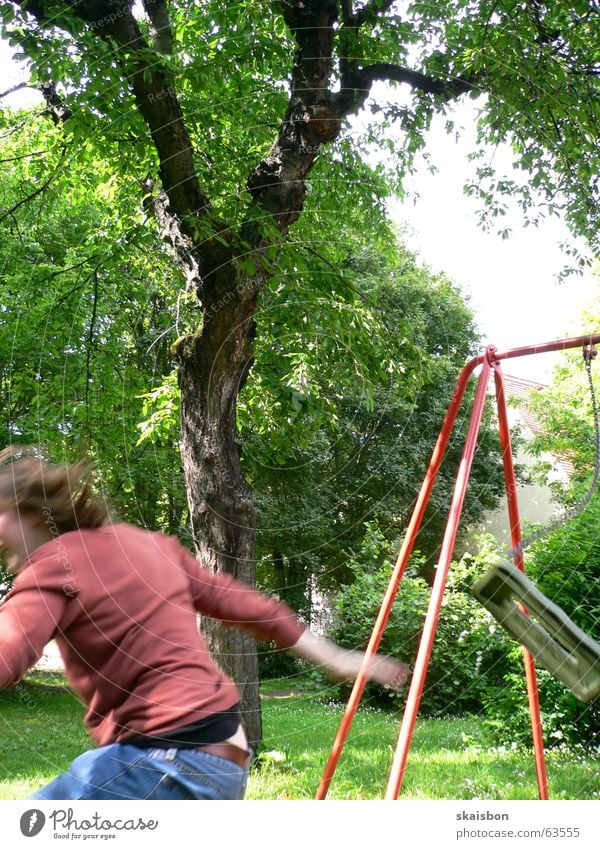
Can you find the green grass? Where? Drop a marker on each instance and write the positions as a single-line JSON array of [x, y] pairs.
[[449, 759], [42, 732]]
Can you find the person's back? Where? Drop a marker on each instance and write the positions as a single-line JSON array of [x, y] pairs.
[[129, 634]]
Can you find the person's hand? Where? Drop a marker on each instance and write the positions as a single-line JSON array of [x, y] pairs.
[[388, 671], [343, 665]]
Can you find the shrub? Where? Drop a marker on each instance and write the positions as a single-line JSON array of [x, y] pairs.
[[273, 662], [469, 653], [565, 720], [6, 580], [566, 567]]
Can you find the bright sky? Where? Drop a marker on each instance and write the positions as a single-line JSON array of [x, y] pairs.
[[511, 283]]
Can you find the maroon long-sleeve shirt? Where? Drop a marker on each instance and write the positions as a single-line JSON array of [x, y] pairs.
[[121, 603]]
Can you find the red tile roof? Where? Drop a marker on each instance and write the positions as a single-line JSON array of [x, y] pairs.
[[519, 389]]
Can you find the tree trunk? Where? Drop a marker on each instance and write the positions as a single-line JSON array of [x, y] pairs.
[[214, 364], [293, 577]]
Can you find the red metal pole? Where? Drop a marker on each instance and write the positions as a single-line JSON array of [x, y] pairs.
[[437, 593], [546, 347], [413, 528], [515, 536], [396, 577]]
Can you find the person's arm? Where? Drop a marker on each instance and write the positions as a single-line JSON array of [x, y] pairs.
[[29, 617], [235, 603], [343, 664]]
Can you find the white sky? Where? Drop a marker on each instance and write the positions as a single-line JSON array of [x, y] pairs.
[[511, 283]]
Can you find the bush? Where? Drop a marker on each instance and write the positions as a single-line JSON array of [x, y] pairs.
[[565, 720], [6, 580], [273, 662], [566, 565]]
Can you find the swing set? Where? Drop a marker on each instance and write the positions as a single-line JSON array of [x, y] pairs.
[[544, 630]]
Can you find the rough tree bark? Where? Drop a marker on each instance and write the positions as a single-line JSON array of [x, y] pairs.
[[213, 368]]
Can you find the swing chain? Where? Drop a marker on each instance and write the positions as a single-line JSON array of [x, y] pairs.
[[589, 354]]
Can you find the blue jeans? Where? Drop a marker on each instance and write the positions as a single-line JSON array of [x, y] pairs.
[[124, 771]]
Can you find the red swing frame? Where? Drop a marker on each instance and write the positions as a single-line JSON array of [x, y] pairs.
[[489, 361]]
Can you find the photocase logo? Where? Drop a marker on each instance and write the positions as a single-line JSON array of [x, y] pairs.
[[32, 822]]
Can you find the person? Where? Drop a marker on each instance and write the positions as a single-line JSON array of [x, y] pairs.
[[122, 603]]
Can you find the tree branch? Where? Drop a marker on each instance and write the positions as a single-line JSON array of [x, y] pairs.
[[14, 89], [277, 185], [56, 107], [24, 156], [58, 111], [162, 36], [416, 79], [157, 101], [347, 13], [311, 23], [90, 345], [314, 115], [33, 194], [66, 296], [171, 233], [372, 11], [154, 91]]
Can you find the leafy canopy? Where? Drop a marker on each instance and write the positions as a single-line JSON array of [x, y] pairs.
[[534, 68]]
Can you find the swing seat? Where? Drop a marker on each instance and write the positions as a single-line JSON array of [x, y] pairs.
[[558, 645]]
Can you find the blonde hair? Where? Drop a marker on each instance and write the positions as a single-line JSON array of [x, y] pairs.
[[62, 493]]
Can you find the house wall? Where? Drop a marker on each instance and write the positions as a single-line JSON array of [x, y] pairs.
[[535, 500], [535, 507]]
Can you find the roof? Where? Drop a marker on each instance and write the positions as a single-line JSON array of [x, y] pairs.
[[519, 389]]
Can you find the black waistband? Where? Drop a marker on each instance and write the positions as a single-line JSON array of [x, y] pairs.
[[214, 729]]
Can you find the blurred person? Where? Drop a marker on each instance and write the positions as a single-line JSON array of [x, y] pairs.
[[122, 605]]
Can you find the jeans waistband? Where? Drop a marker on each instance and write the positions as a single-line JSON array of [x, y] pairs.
[[226, 751]]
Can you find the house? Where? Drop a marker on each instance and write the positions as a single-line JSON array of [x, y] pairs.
[[536, 505]]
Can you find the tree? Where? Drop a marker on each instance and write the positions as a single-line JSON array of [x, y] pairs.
[[83, 329], [224, 111], [340, 414], [328, 453]]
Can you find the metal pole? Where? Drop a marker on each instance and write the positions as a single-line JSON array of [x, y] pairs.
[[491, 356], [396, 577], [515, 536], [437, 593], [545, 347]]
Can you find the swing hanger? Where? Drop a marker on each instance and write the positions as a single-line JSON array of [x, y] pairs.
[[589, 353]]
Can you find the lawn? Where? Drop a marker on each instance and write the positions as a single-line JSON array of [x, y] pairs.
[[450, 758], [41, 728]]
